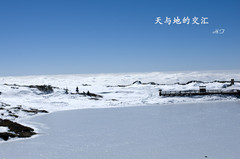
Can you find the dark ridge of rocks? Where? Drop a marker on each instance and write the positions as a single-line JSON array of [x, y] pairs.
[[35, 111], [206, 82], [13, 111], [0, 93], [153, 83], [13, 115], [193, 81], [224, 81], [89, 94], [120, 85], [137, 82], [42, 88], [15, 87], [16, 109], [86, 85], [93, 95], [4, 104], [15, 127], [16, 130], [12, 85]]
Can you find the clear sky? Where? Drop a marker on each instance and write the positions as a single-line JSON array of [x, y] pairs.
[[104, 36]]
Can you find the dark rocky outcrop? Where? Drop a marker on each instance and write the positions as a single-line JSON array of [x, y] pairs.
[[89, 95], [13, 111], [4, 104], [137, 82], [15, 130], [35, 111], [6, 135], [13, 115], [120, 86], [93, 95], [86, 85], [193, 81], [43, 88]]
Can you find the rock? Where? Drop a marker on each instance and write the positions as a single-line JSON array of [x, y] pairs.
[[35, 111], [9, 111], [93, 95], [137, 82], [16, 109], [119, 86], [5, 104], [193, 81], [26, 134], [152, 83], [86, 85], [122, 85], [6, 135], [89, 94], [13, 115], [43, 88], [225, 86], [16, 129]]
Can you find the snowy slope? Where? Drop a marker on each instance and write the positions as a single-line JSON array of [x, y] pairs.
[[117, 90]]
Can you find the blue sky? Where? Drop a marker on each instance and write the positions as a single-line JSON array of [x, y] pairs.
[[92, 36]]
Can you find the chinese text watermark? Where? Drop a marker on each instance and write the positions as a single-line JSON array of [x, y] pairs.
[[184, 20]]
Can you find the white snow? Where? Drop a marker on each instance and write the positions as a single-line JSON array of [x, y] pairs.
[[179, 131], [210, 127], [113, 96], [3, 129]]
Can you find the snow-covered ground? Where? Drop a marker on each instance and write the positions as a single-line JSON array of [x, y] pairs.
[[3, 129], [179, 131], [172, 128], [117, 90]]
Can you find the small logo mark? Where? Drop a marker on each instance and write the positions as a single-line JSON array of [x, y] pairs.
[[219, 31]]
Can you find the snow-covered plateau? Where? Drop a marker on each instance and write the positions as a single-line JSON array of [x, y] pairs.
[[117, 90], [163, 127]]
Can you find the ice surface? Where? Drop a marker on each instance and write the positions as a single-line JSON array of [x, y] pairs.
[[179, 131]]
